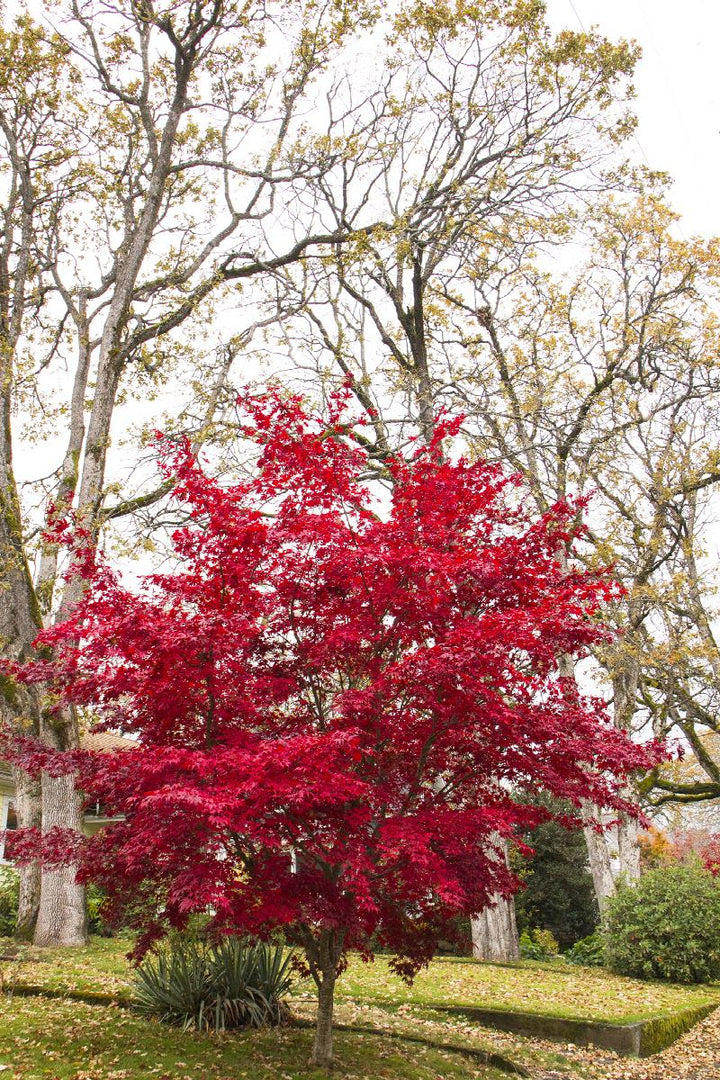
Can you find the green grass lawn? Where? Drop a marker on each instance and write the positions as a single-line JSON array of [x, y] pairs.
[[550, 989], [101, 967], [69, 1039]]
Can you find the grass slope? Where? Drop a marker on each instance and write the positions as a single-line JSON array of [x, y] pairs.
[[69, 1040], [551, 990], [63, 1039]]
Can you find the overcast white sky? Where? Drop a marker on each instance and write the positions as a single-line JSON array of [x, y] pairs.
[[678, 99], [678, 91]]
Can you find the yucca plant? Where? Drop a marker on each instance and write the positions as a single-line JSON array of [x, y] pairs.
[[176, 985], [251, 980], [228, 985]]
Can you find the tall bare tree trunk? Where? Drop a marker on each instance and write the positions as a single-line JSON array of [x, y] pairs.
[[494, 931], [62, 918], [599, 857], [20, 621], [628, 849], [625, 690]]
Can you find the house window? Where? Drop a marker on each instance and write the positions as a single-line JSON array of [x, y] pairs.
[[8, 820]]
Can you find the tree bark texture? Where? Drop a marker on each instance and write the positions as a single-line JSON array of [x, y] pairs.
[[323, 949], [322, 1055], [599, 857], [625, 690], [62, 918], [494, 931], [628, 849], [29, 816]]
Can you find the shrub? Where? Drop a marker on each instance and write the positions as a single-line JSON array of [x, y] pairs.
[[538, 944], [588, 952], [9, 895], [666, 926], [227, 985], [96, 921]]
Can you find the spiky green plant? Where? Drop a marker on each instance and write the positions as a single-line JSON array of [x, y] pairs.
[[175, 985], [251, 981], [228, 985]]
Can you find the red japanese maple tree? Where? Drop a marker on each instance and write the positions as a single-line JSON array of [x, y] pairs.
[[338, 701]]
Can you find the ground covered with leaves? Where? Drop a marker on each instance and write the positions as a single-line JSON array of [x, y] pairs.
[[552, 989], [385, 1029]]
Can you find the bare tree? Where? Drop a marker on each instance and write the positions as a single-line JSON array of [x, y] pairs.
[[592, 387], [151, 168], [677, 657]]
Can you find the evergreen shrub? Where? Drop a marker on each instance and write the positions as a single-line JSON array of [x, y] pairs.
[[666, 926], [538, 944], [558, 890], [588, 952]]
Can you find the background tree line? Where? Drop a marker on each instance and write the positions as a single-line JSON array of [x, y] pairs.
[[435, 204]]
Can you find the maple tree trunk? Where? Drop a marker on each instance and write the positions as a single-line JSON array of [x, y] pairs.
[[322, 1055], [29, 816], [494, 931], [323, 952], [62, 918]]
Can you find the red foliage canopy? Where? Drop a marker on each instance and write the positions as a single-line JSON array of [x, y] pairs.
[[338, 702]]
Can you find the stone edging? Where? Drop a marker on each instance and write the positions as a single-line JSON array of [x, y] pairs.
[[639, 1039]]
